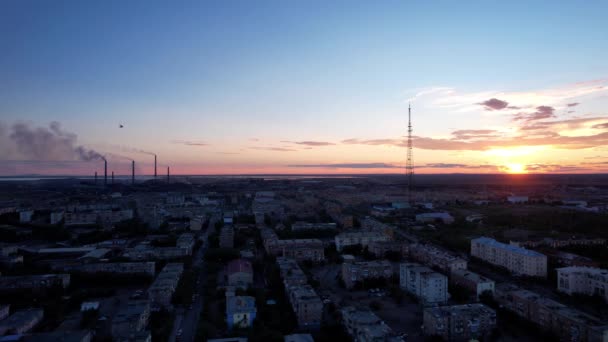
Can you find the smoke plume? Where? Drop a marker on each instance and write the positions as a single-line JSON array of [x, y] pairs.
[[43, 143]]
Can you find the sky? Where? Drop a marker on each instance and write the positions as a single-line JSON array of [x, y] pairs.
[[303, 87]]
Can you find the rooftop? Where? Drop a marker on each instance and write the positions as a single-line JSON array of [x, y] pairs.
[[512, 248]]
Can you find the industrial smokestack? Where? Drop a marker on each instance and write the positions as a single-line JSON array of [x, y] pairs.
[[133, 172], [167, 174], [155, 166], [105, 172], [112, 177], [95, 177]]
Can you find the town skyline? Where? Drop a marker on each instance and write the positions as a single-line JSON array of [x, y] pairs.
[[303, 88]]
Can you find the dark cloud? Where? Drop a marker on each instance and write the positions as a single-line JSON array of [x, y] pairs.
[[494, 104], [190, 143], [541, 113], [390, 142], [456, 166], [554, 168], [310, 143], [601, 126], [573, 104], [467, 134], [351, 166], [276, 149]]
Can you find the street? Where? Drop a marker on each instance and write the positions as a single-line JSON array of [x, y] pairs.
[[186, 319]]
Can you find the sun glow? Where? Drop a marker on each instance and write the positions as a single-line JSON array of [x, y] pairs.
[[515, 168]]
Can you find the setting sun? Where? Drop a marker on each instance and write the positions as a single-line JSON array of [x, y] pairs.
[[516, 168]]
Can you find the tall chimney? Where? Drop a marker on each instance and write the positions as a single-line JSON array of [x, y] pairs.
[[95, 177], [133, 172], [105, 172], [155, 166], [167, 174], [112, 177]]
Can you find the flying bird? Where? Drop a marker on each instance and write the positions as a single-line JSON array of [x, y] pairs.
[[121, 126]]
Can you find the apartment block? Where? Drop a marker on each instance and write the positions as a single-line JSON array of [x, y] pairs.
[[131, 319], [435, 256], [227, 237], [516, 259], [583, 280], [21, 321], [304, 226], [304, 301], [380, 248], [365, 326], [156, 253], [362, 237], [162, 289], [33, 282], [4, 311], [473, 282], [130, 268], [567, 323], [307, 306], [187, 241], [302, 249], [459, 322], [356, 271], [291, 273], [429, 286], [269, 240], [445, 218]]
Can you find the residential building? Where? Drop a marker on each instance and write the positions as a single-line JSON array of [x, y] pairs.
[[429, 286], [583, 280], [60, 336], [302, 249], [56, 217], [516, 259], [131, 319], [33, 282], [21, 321], [304, 226], [517, 199], [380, 248], [156, 253], [459, 322], [186, 241], [4, 311], [239, 273], [306, 305], [290, 272], [227, 237], [473, 282], [567, 323], [298, 338], [364, 326], [127, 268], [361, 237], [196, 223], [25, 216], [240, 311], [162, 289], [445, 218], [357, 271], [435, 256]]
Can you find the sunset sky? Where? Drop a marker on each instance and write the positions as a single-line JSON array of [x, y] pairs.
[[244, 87]]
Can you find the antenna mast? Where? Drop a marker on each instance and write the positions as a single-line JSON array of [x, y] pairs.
[[409, 166]]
